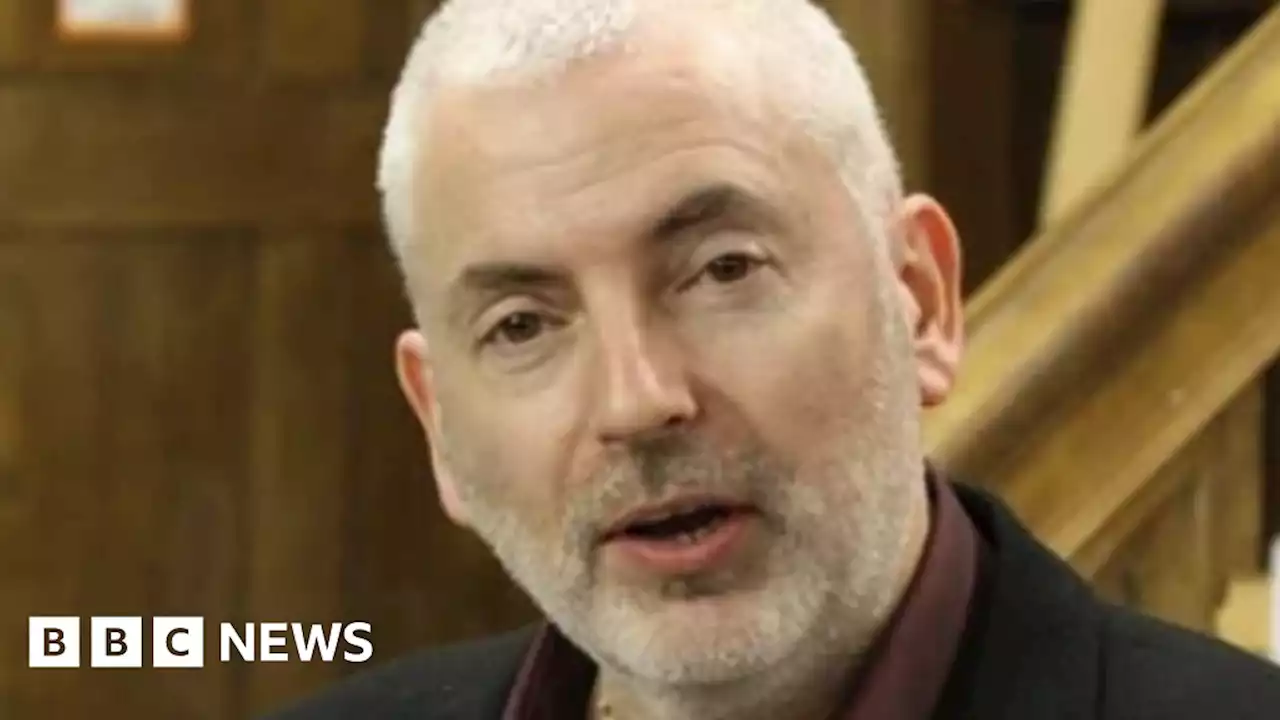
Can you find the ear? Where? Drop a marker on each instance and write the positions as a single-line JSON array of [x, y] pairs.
[[413, 367], [929, 274]]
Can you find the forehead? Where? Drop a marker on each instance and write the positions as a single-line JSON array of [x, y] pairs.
[[523, 167], [671, 77]]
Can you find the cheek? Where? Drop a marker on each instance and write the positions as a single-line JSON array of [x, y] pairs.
[[508, 455], [800, 376]]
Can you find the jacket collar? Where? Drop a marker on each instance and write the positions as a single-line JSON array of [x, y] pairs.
[[1033, 645]]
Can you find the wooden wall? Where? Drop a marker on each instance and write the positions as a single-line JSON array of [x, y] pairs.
[[198, 411]]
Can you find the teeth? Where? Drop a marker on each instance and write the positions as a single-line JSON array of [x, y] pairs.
[[668, 529], [690, 538]]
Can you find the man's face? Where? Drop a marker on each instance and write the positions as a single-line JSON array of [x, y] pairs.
[[671, 377]]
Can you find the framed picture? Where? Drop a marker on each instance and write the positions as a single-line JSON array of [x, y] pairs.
[[124, 20]]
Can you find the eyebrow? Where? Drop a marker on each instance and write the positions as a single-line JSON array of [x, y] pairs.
[[708, 205], [704, 206]]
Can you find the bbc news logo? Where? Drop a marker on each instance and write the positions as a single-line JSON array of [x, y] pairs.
[[178, 642]]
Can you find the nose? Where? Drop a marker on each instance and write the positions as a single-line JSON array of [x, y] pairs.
[[644, 386]]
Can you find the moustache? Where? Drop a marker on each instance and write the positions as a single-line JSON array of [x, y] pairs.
[[662, 468]]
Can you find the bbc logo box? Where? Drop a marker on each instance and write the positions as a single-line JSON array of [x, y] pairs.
[[54, 642], [115, 642]]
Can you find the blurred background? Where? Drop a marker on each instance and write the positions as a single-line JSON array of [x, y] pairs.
[[198, 410]]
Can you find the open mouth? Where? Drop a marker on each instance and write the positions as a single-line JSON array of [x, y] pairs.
[[686, 520], [683, 537], [683, 527]]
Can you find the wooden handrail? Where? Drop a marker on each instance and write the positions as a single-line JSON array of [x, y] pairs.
[[1102, 348]]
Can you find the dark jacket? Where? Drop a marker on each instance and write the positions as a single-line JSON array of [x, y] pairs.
[[1038, 646]]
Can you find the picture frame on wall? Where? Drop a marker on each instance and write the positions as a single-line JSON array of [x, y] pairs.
[[146, 21]]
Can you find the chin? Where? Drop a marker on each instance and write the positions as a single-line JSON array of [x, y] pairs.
[[705, 640]]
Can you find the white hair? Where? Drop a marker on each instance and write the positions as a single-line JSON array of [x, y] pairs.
[[814, 75]]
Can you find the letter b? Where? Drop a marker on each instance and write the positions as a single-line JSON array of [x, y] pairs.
[[53, 642], [116, 642]]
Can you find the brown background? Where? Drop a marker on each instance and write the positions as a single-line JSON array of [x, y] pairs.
[[198, 414], [197, 410]]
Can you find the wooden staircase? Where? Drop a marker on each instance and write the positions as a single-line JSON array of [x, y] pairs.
[[1111, 391]]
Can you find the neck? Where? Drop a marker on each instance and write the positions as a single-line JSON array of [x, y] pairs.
[[808, 688]]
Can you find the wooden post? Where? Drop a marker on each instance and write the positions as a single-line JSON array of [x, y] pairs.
[[1111, 53]]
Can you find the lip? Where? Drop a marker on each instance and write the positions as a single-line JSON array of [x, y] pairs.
[[667, 558], [675, 506]]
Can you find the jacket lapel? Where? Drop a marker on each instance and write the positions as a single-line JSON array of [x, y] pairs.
[[1033, 648]]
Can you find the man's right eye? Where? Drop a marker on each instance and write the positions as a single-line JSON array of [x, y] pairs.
[[516, 328]]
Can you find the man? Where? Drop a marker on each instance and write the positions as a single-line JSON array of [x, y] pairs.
[[676, 324]]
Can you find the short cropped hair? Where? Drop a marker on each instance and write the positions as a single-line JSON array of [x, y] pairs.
[[817, 80]]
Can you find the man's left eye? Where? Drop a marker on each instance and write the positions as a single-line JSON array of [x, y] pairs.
[[731, 267]]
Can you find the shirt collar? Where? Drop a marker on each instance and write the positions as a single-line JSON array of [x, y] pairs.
[[910, 662]]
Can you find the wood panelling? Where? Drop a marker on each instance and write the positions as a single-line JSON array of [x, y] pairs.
[[130, 463], [971, 131], [198, 406], [44, 561], [219, 45], [1187, 47], [304, 38], [153, 152], [17, 489], [11, 349], [387, 35], [173, 377], [302, 331], [210, 425], [12, 35]]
